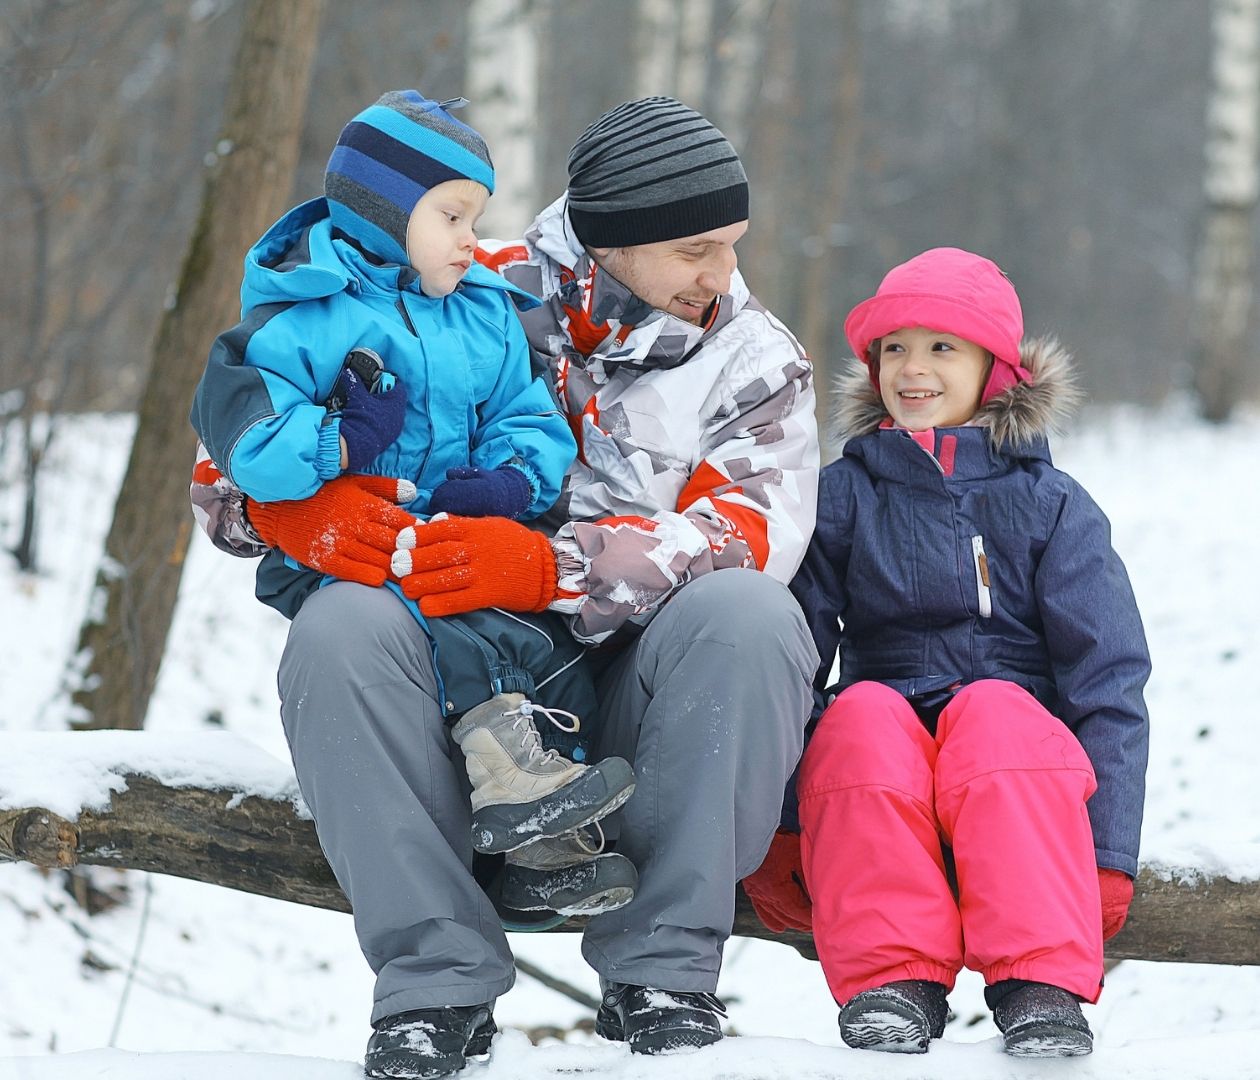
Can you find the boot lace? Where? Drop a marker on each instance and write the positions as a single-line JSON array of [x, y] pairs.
[[531, 740]]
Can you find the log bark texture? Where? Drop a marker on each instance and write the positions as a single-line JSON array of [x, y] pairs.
[[262, 846]]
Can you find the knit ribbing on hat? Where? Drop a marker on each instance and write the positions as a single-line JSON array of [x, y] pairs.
[[386, 159], [653, 170]]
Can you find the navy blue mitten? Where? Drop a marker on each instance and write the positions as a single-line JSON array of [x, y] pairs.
[[473, 492], [369, 422]]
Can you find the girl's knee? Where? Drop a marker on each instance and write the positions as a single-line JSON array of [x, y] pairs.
[[995, 724], [868, 735]]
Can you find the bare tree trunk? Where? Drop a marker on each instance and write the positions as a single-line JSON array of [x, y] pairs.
[[122, 640], [739, 54], [503, 84], [1224, 356], [656, 48], [769, 250], [34, 446], [820, 322], [694, 33], [261, 846]]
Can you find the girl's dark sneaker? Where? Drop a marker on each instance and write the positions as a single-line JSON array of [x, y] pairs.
[[428, 1043], [898, 1018], [1039, 1020]]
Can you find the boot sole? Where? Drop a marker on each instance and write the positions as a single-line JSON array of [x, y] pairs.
[[655, 1041], [887, 1028], [604, 883], [1048, 1040], [601, 789]]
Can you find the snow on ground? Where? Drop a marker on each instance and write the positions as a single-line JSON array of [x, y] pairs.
[[228, 986]]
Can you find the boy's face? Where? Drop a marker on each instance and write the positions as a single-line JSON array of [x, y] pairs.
[[682, 277], [440, 237], [930, 379]]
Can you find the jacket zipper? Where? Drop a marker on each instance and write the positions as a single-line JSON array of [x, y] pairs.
[[982, 577]]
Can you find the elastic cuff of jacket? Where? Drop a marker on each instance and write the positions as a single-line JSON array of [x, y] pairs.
[[328, 451], [1116, 860], [531, 478]]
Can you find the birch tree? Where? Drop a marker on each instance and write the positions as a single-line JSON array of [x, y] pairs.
[[503, 85], [247, 182], [656, 48], [694, 32], [739, 54], [1223, 357]]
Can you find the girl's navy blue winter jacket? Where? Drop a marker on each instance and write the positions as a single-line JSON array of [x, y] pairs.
[[983, 561]]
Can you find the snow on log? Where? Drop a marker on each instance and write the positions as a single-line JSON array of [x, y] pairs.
[[214, 808]]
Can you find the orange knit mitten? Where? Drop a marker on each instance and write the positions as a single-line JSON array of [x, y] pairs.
[[457, 564], [348, 528]]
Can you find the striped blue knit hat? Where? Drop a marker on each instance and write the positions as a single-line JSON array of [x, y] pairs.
[[386, 159]]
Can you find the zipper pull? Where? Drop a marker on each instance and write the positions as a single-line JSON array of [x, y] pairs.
[[981, 561]]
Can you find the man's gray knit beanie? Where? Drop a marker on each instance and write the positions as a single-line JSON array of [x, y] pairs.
[[653, 170]]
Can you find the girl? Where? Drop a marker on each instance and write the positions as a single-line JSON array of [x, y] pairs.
[[973, 795]]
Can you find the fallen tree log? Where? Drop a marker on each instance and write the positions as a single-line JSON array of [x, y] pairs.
[[263, 845]]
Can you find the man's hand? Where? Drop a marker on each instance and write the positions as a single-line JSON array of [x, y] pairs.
[[348, 528], [1116, 888], [474, 492], [777, 887], [457, 564]]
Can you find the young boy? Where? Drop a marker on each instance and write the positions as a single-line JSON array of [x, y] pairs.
[[383, 267], [973, 797]]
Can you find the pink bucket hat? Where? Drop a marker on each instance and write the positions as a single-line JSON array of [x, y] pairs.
[[955, 292]]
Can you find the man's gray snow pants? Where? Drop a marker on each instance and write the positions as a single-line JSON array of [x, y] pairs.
[[709, 704]]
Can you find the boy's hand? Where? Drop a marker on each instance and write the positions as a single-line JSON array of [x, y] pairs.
[[348, 528], [1116, 888], [458, 564], [472, 492], [777, 887], [369, 422]]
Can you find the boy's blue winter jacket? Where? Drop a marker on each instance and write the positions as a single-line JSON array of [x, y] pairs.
[[307, 299], [895, 579]]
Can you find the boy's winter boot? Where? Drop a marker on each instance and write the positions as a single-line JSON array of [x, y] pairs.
[[1039, 1020], [899, 1017], [426, 1043], [568, 874], [656, 1021], [523, 793]]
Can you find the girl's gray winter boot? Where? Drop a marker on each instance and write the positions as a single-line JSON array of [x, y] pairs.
[[1039, 1020], [900, 1017]]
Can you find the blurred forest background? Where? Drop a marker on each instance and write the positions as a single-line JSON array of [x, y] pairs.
[[1104, 152], [1063, 138]]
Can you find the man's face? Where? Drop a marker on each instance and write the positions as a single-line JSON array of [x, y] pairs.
[[440, 237], [681, 277]]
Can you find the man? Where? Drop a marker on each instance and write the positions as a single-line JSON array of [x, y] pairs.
[[697, 467]]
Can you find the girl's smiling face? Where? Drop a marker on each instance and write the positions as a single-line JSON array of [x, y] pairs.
[[930, 379]]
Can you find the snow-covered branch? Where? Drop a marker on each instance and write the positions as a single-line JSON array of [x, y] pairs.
[[214, 808]]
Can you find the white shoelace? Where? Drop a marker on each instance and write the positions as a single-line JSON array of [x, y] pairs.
[[532, 741]]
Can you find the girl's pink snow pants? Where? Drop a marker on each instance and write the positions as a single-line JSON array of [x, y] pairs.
[[1004, 784]]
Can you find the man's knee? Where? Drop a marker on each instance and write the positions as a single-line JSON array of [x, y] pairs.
[[345, 626], [741, 607]]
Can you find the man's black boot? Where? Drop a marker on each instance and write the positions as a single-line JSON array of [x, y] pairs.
[[653, 1021], [426, 1043]]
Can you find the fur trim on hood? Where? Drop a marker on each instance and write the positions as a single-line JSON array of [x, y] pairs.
[[1015, 418]]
